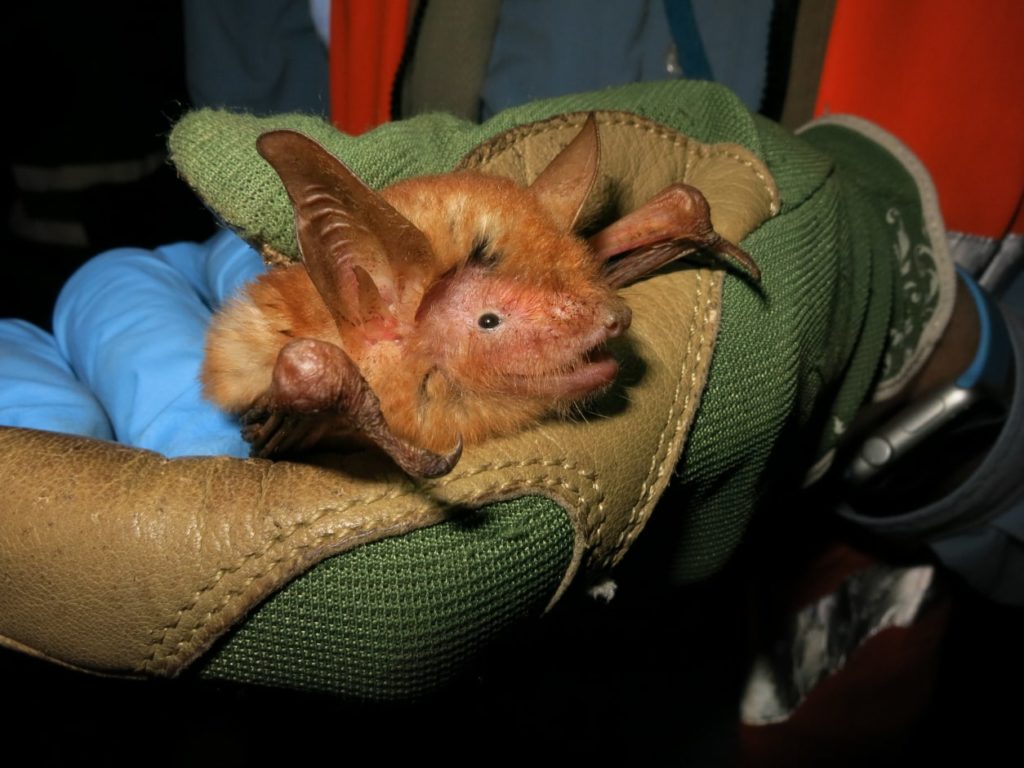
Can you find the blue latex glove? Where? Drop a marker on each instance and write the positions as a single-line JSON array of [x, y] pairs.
[[124, 358], [38, 389]]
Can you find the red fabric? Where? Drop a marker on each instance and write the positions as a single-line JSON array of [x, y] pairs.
[[947, 78], [367, 40]]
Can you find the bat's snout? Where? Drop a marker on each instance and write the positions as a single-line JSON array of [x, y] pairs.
[[617, 318]]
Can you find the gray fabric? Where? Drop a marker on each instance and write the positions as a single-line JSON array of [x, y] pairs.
[[545, 49], [996, 264], [447, 67], [735, 35], [978, 530], [810, 42], [991, 556], [261, 57]]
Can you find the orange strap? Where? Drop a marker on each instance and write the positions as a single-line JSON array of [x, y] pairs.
[[367, 40], [946, 77]]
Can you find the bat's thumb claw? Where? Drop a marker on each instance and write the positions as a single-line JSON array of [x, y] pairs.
[[445, 463], [419, 462], [740, 258]]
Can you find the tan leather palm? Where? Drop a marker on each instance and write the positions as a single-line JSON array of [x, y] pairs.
[[118, 560]]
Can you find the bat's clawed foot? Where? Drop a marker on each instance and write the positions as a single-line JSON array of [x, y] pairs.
[[317, 392], [259, 426], [272, 433]]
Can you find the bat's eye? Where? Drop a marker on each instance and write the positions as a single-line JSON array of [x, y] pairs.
[[488, 320]]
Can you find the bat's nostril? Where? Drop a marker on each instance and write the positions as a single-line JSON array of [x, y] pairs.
[[617, 320]]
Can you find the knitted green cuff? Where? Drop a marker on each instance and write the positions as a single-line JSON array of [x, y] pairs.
[[399, 618]]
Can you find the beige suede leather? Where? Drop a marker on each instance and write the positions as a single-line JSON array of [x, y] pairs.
[[118, 560], [639, 158]]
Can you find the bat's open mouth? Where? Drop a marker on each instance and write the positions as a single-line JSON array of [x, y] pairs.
[[595, 370], [598, 370]]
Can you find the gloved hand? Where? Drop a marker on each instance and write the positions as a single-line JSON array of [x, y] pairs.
[[124, 357]]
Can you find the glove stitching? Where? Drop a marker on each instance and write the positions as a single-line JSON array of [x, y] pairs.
[[180, 649], [516, 135], [674, 424]]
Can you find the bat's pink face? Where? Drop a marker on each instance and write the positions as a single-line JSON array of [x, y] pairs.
[[499, 333], [524, 309]]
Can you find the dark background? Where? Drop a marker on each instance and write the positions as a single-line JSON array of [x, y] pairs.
[[89, 85]]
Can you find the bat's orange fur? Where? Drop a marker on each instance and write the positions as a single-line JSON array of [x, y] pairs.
[[437, 372]]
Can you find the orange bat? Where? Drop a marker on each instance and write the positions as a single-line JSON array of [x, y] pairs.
[[439, 311]]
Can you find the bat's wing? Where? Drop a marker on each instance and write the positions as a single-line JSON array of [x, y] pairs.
[[318, 391], [363, 256], [672, 225]]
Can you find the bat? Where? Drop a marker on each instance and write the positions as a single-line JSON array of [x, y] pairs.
[[439, 311]]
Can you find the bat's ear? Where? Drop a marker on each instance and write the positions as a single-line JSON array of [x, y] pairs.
[[362, 255], [563, 187]]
